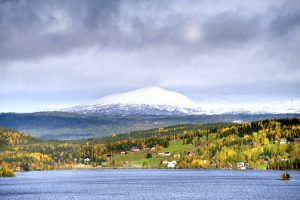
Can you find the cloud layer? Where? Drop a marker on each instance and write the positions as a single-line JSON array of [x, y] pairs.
[[68, 52]]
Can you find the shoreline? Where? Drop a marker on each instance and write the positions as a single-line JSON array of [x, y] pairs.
[[187, 169]]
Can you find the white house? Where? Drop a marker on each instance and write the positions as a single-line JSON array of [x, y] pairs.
[[167, 154], [87, 159], [164, 162], [171, 164], [164, 154], [104, 163], [282, 141], [135, 150], [240, 165]]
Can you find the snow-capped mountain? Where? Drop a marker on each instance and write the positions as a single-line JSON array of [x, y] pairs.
[[158, 101], [145, 101], [149, 96]]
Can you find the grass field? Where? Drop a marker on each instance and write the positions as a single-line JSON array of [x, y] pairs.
[[138, 160]]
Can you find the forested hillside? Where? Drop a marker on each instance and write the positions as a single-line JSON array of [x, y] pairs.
[[66, 126], [267, 144]]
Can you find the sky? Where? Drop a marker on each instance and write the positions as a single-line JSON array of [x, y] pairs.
[[56, 54]]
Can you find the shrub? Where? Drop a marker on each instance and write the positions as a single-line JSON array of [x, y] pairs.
[[285, 176], [6, 171], [149, 155]]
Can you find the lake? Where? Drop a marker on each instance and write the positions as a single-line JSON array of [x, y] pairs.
[[150, 184]]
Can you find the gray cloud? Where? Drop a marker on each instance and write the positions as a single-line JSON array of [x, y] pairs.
[[231, 28], [99, 47], [287, 18], [35, 28]]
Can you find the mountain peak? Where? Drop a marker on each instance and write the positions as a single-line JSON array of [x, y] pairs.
[[148, 96]]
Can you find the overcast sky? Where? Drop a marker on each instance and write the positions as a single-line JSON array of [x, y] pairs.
[[65, 52]]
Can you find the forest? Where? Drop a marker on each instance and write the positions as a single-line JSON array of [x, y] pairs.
[[266, 144], [66, 126]]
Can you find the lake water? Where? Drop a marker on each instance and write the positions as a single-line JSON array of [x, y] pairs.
[[150, 184]]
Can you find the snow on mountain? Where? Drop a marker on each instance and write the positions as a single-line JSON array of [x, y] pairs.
[[250, 105], [158, 101], [148, 101], [148, 96]]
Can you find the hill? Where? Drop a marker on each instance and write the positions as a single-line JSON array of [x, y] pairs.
[[10, 139], [266, 144]]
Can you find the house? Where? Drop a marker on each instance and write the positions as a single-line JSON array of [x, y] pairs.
[[108, 156], [282, 141], [241, 165], [167, 154], [104, 163], [135, 150], [297, 140], [164, 162], [145, 149], [87, 158], [171, 164], [18, 169]]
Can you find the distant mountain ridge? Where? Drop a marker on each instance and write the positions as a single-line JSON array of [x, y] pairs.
[[158, 101]]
